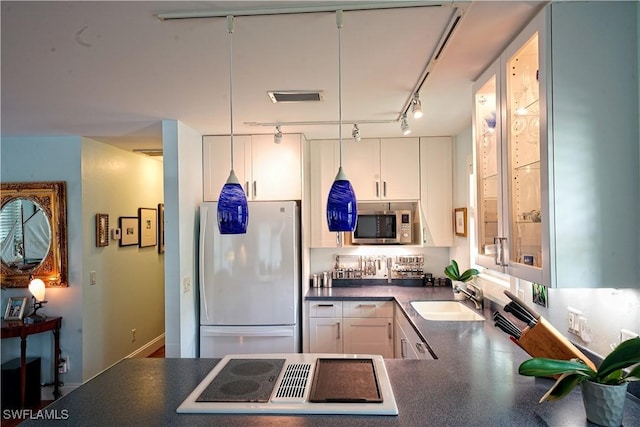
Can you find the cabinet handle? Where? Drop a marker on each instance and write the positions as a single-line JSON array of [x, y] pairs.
[[246, 188], [338, 337], [390, 331], [325, 305], [384, 188], [498, 257], [377, 189], [420, 347], [255, 188], [367, 305], [403, 341], [339, 239]]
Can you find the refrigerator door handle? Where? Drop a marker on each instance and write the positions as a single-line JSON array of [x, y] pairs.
[[248, 332], [203, 229]]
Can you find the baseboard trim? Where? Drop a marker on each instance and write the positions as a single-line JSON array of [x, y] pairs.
[[148, 349]]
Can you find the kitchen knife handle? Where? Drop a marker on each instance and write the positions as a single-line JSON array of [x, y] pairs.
[[521, 303]]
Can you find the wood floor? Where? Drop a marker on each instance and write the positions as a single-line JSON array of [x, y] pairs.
[[159, 353]]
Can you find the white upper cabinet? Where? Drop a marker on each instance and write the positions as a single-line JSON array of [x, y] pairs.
[[436, 190], [267, 171], [383, 169], [558, 175], [324, 155]]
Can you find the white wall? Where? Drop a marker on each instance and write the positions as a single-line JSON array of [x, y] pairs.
[[182, 149], [129, 293]]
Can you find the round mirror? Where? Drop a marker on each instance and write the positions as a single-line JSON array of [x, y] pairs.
[[25, 234]]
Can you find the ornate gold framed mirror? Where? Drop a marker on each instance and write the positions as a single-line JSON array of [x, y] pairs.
[[33, 233]]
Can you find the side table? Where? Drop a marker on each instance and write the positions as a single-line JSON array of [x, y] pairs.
[[17, 328]]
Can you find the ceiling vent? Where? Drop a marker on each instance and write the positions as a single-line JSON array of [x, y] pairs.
[[153, 152], [279, 96]]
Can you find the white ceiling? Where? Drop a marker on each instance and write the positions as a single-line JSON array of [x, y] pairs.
[[112, 70]]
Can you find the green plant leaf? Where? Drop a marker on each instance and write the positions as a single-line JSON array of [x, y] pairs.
[[563, 386], [450, 273], [543, 367], [634, 375], [467, 275], [626, 354]]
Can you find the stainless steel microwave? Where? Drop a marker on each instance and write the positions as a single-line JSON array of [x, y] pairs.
[[393, 227]]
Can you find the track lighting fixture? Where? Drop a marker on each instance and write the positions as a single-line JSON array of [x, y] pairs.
[[416, 106], [277, 137], [355, 133], [404, 125]]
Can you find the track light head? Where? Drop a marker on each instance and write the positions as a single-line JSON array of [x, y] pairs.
[[416, 106], [404, 125], [355, 133], [277, 136]]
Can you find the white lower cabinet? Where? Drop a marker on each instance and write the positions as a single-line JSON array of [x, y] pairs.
[[408, 345], [362, 327]]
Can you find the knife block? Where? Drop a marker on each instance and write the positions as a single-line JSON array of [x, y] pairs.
[[543, 340]]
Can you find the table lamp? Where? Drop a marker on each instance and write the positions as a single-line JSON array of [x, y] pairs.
[[37, 289]]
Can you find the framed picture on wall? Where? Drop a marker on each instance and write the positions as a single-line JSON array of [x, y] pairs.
[[148, 227], [160, 228], [129, 230], [102, 230], [460, 221]]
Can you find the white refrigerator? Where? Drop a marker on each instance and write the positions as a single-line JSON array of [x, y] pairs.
[[250, 283]]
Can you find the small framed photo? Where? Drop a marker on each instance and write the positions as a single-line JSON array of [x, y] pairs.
[[160, 228], [102, 230], [15, 308], [460, 221], [148, 227], [129, 230]]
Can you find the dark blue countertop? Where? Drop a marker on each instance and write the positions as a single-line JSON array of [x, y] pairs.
[[474, 382]]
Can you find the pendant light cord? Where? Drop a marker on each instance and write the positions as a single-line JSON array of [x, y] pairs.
[[230, 30], [339, 25]]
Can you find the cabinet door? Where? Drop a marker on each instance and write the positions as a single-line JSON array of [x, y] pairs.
[[523, 164], [436, 190], [325, 335], [403, 347], [216, 159], [400, 169], [276, 168], [324, 167], [361, 164], [369, 336]]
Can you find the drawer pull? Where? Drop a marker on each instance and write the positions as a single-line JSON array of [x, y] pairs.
[[390, 331], [338, 337], [325, 305], [367, 305], [403, 341]]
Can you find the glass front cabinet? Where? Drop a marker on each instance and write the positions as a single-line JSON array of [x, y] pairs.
[[555, 128]]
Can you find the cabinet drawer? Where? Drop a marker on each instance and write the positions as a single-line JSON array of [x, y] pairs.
[[368, 309], [325, 309]]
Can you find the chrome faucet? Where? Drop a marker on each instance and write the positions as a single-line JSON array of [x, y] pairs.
[[472, 292]]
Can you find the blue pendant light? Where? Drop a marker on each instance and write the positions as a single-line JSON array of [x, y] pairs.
[[342, 210], [233, 212]]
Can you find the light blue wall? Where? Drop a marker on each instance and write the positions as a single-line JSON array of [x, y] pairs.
[[52, 159]]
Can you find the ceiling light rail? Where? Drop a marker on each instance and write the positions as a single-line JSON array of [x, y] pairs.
[[352, 6]]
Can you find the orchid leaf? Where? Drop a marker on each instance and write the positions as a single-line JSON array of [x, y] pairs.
[[634, 375], [626, 354], [563, 386], [543, 367]]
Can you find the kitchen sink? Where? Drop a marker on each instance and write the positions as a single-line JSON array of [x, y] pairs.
[[446, 311]]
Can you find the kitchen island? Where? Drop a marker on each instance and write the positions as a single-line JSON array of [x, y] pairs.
[[473, 382]]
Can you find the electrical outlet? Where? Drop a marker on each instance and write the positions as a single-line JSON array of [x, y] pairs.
[[133, 335], [186, 284], [63, 364], [92, 278], [574, 320]]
